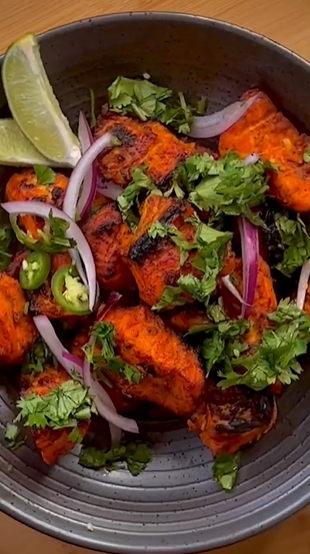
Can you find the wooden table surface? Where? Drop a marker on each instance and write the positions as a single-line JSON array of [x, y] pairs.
[[285, 21]]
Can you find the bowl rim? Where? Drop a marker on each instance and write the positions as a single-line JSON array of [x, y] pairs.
[[291, 500]]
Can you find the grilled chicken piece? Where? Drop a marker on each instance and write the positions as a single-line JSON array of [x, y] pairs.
[[265, 131], [227, 420], [182, 320], [106, 234], [155, 263], [17, 332], [172, 375], [51, 443], [24, 186], [147, 144], [265, 301]]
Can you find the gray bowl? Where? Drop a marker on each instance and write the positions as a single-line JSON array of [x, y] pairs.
[[174, 506]]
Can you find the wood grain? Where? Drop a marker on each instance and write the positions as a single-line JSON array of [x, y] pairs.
[[286, 22]]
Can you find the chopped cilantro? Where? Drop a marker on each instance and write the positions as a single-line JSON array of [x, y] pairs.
[[12, 437], [224, 186], [225, 470], [135, 455], [65, 406], [211, 248], [295, 242], [45, 175], [100, 352], [129, 199], [75, 435], [38, 358], [151, 102], [275, 357]]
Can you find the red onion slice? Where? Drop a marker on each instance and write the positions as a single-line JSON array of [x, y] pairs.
[[89, 186], [113, 299], [303, 285], [80, 171], [43, 210], [250, 258], [231, 287], [100, 393], [207, 126], [129, 425], [110, 190]]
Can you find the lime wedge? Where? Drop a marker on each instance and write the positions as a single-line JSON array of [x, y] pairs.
[[33, 104], [16, 149]]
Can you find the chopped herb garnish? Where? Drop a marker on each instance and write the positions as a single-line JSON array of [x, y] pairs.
[[38, 358], [295, 243], [75, 435], [224, 186], [129, 199], [13, 438], [135, 455], [45, 175], [276, 358], [100, 352], [66, 406], [225, 470], [150, 102], [211, 249]]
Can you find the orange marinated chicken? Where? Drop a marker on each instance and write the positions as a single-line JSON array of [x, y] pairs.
[[172, 376], [24, 186], [17, 332], [155, 262], [227, 420], [51, 443], [265, 301], [182, 320], [265, 131], [307, 300], [106, 234], [147, 144]]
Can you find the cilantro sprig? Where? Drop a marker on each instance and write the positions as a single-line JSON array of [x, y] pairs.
[[38, 358], [128, 201], [295, 243], [140, 97], [13, 438], [135, 455], [100, 353], [65, 406], [276, 357], [210, 245], [45, 175], [223, 186], [225, 470]]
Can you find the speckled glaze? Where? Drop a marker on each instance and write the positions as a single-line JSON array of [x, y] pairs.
[[174, 506]]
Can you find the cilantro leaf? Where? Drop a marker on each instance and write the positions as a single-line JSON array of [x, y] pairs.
[[12, 437], [276, 356], [65, 406], [53, 237], [38, 357], [225, 470], [45, 175], [75, 436], [6, 236], [295, 243], [100, 352], [225, 185], [136, 455], [151, 102], [211, 248], [129, 199]]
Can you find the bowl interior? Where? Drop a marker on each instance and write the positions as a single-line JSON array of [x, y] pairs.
[[174, 506]]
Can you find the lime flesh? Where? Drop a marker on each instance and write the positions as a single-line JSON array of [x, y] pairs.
[[33, 104]]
